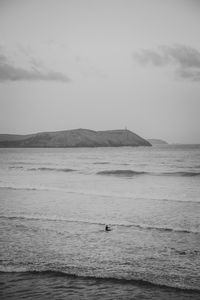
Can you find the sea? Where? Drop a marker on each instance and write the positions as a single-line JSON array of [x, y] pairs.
[[55, 203]]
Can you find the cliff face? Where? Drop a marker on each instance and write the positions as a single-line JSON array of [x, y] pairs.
[[75, 138]]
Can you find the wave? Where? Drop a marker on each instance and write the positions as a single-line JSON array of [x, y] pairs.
[[89, 193], [131, 173], [51, 169], [16, 167], [124, 173], [165, 229], [113, 279], [101, 163], [118, 172], [184, 173], [186, 252], [22, 163], [25, 188], [100, 222]]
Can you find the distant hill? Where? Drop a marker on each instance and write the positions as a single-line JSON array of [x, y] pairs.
[[74, 138], [13, 137], [157, 142]]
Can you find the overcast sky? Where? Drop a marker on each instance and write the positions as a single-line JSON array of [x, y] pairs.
[[101, 64]]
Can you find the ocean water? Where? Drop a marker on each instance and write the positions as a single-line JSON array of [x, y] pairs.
[[54, 204]]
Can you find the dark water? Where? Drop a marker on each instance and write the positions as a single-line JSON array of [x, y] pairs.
[[52, 285], [54, 204]]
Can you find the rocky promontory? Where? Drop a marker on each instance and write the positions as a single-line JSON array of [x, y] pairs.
[[74, 138]]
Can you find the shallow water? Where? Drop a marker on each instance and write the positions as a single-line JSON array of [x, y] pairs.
[[54, 206]]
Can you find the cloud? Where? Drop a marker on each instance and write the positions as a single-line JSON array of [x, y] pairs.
[[185, 60], [10, 72]]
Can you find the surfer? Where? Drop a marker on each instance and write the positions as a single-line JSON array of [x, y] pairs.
[[107, 228]]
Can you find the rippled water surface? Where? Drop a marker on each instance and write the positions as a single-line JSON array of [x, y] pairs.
[[54, 204]]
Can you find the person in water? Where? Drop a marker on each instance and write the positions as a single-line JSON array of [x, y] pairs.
[[107, 228]]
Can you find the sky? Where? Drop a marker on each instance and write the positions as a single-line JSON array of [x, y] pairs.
[[101, 64]]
